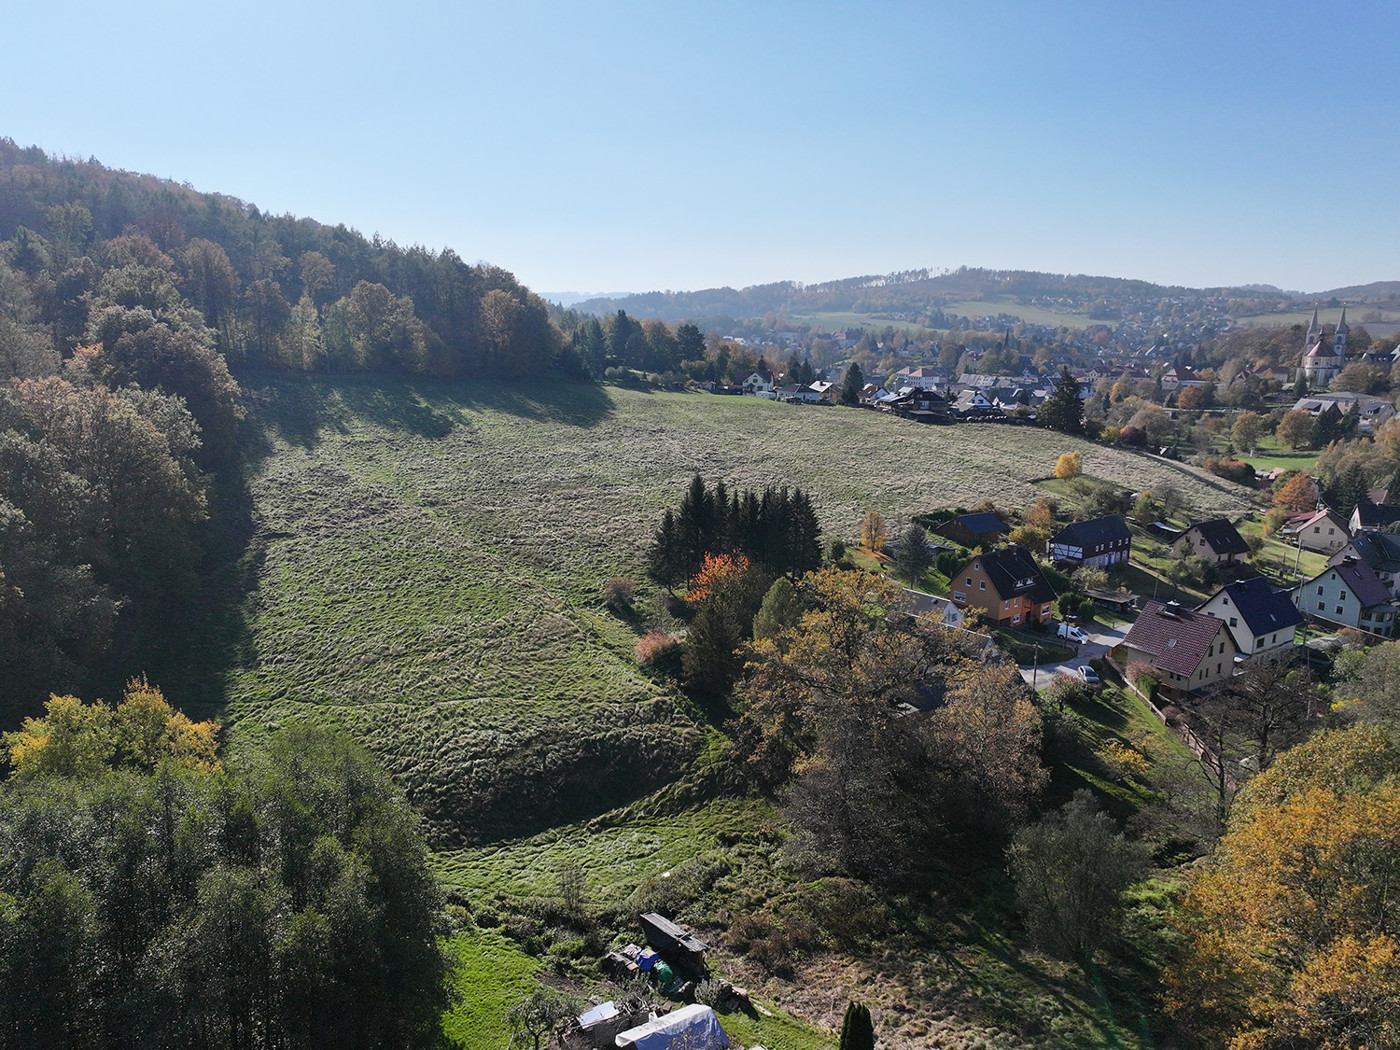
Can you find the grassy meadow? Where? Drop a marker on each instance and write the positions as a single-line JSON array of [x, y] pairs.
[[423, 569]]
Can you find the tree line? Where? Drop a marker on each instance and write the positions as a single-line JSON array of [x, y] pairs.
[[275, 291]]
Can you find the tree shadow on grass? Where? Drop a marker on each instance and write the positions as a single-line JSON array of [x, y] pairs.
[[298, 409]]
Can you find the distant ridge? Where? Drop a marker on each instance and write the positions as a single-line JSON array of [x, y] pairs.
[[923, 290]]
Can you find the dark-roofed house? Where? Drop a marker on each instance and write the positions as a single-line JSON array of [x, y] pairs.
[[1098, 541], [1216, 540], [1008, 584], [972, 530], [1348, 595], [1187, 650], [1378, 551], [1261, 618], [1373, 516]]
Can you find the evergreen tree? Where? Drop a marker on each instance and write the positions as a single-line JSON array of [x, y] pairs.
[[1063, 409], [857, 1030], [912, 557], [804, 539], [852, 384], [695, 525], [666, 559]]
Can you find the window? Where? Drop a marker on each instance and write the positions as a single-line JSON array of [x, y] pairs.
[[1233, 622], [959, 596], [1339, 610], [968, 581], [1321, 606], [981, 585], [1319, 588], [1342, 597], [1016, 618]]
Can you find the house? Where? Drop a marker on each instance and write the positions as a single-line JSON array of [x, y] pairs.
[[1008, 584], [1323, 530], [1372, 516], [1098, 541], [758, 383], [923, 378], [1216, 540], [1370, 411], [1378, 551], [1348, 595], [1187, 650], [974, 530], [932, 609], [1261, 618]]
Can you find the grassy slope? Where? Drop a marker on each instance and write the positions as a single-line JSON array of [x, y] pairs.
[[424, 571], [426, 561]]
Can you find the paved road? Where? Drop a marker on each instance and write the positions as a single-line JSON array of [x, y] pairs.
[[1101, 640]]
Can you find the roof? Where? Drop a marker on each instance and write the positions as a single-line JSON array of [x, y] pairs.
[[982, 522], [1379, 550], [1176, 638], [1012, 571], [1368, 589], [1376, 515], [1261, 606], [1221, 536], [1109, 529]]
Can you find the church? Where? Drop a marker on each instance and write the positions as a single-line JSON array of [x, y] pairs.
[[1321, 363]]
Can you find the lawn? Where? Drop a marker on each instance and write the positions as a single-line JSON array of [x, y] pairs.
[[489, 975]]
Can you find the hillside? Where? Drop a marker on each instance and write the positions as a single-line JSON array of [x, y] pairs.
[[426, 560]]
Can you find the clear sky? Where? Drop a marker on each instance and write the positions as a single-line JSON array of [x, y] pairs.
[[643, 146]]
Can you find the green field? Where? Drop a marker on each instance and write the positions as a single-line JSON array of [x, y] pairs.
[[967, 308]]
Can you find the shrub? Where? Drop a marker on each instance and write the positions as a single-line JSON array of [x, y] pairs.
[[710, 992], [618, 592], [659, 651], [1133, 437]]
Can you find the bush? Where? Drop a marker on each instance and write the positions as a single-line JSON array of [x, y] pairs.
[[618, 592], [660, 652]]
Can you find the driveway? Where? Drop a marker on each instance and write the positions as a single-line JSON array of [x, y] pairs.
[[1101, 640]]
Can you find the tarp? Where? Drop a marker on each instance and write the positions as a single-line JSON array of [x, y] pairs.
[[691, 1027]]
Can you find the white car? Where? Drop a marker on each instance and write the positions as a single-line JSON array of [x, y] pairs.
[[1073, 633], [1087, 674]]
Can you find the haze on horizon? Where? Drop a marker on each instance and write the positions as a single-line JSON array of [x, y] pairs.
[[641, 147]]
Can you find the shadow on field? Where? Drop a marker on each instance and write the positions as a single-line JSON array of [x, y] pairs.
[[297, 410]]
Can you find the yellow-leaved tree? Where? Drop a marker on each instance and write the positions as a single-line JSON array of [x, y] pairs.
[[74, 739], [1069, 465], [1289, 936]]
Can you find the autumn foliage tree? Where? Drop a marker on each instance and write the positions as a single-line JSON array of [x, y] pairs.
[[1069, 465], [1290, 938]]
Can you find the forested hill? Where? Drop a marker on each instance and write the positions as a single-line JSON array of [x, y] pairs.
[[273, 290], [925, 293]]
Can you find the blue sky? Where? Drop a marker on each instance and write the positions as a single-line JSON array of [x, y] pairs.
[[643, 146]]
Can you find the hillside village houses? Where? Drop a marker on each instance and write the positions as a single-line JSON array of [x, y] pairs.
[[1214, 539], [1099, 542], [1185, 650], [1261, 618], [1007, 584], [1348, 595], [1323, 531]]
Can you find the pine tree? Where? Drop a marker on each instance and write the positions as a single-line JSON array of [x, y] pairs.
[[1063, 409], [852, 385], [665, 559], [857, 1030]]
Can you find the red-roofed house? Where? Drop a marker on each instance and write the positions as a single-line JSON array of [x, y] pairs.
[[1186, 650]]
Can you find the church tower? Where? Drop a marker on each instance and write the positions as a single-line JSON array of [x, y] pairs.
[[1322, 363]]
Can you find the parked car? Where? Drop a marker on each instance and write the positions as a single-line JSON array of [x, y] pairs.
[[1087, 674], [1073, 633]]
